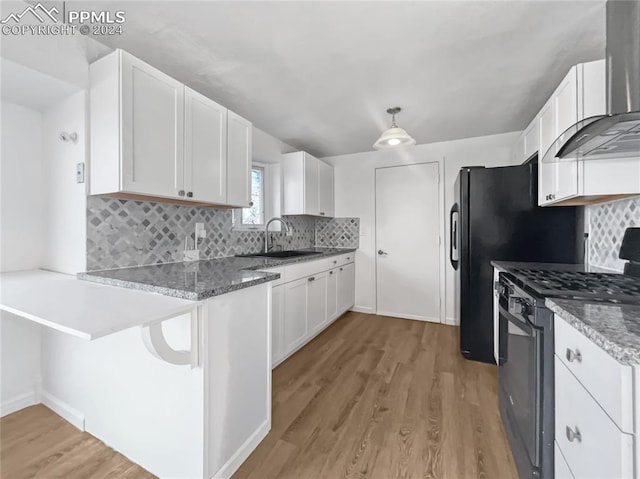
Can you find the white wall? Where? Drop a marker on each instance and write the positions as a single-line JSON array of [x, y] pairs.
[[21, 188], [42, 225], [65, 199], [21, 247], [355, 189]]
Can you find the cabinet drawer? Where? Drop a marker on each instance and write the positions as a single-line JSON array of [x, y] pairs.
[[561, 467], [335, 261], [608, 381], [280, 270], [296, 271], [591, 443]]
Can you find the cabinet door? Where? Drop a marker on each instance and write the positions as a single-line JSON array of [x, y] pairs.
[[326, 200], [277, 323], [316, 302], [311, 185], [346, 287], [332, 294], [566, 111], [295, 314], [205, 129], [239, 151], [152, 130], [546, 171]]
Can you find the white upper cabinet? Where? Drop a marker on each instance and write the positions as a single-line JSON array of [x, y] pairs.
[[205, 171], [151, 136], [326, 189], [152, 124], [308, 185], [239, 160], [311, 184]]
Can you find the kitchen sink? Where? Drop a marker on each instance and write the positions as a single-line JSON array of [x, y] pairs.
[[280, 254]]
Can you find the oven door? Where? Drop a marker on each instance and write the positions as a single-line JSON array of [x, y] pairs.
[[520, 374]]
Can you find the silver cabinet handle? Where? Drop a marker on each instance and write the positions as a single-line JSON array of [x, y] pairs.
[[341, 269], [573, 434], [380, 252], [348, 258], [330, 272], [312, 279], [335, 262], [322, 213], [190, 194], [181, 193], [574, 355]]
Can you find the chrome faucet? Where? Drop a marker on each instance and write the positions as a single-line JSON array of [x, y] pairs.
[[287, 230]]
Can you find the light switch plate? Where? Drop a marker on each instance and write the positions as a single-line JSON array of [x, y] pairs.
[[79, 172]]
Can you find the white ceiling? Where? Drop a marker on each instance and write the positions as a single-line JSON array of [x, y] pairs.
[[320, 75]]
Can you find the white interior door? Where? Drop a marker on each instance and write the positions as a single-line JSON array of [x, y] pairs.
[[407, 241]]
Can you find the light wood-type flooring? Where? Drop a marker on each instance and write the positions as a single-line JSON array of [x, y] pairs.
[[37, 443], [371, 397], [384, 398]]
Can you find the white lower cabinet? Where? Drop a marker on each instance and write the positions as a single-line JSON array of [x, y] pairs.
[[316, 302], [591, 393], [295, 313], [277, 323], [561, 467], [346, 286], [332, 294], [308, 297]]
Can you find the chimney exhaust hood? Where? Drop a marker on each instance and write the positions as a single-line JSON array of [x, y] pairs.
[[617, 134]]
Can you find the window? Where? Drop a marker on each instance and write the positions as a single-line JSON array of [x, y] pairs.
[[254, 215]]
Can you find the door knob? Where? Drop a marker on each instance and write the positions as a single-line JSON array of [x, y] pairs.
[[381, 253]]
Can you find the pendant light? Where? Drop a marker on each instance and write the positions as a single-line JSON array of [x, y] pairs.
[[394, 137]]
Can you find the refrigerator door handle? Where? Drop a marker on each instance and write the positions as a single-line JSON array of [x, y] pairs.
[[454, 215]]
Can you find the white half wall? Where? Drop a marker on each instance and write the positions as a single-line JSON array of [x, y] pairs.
[[355, 197]]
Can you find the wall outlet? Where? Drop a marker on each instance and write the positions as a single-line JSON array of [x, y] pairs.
[[191, 255], [200, 232]]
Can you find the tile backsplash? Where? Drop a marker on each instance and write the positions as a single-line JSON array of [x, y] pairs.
[[607, 223], [124, 233]]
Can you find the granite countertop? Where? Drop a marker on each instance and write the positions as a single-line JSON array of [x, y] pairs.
[[199, 280], [613, 327]]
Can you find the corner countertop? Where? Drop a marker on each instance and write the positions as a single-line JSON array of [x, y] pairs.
[[199, 280], [613, 327]]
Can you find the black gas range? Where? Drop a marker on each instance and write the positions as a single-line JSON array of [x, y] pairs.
[[526, 345], [596, 286]]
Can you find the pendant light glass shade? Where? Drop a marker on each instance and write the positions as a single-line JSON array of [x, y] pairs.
[[394, 137]]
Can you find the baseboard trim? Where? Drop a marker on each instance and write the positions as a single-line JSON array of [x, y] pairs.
[[362, 309], [19, 402], [241, 455], [451, 321], [62, 409], [408, 316]]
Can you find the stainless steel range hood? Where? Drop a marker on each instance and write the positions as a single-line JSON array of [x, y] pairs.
[[617, 134]]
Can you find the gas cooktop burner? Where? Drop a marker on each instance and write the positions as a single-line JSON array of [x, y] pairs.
[[601, 286]]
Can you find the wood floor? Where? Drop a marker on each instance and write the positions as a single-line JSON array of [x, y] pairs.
[[378, 397], [371, 397], [37, 443]]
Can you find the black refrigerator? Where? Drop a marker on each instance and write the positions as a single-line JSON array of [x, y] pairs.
[[496, 217]]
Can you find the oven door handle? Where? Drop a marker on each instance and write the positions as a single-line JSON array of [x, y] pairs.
[[521, 323]]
